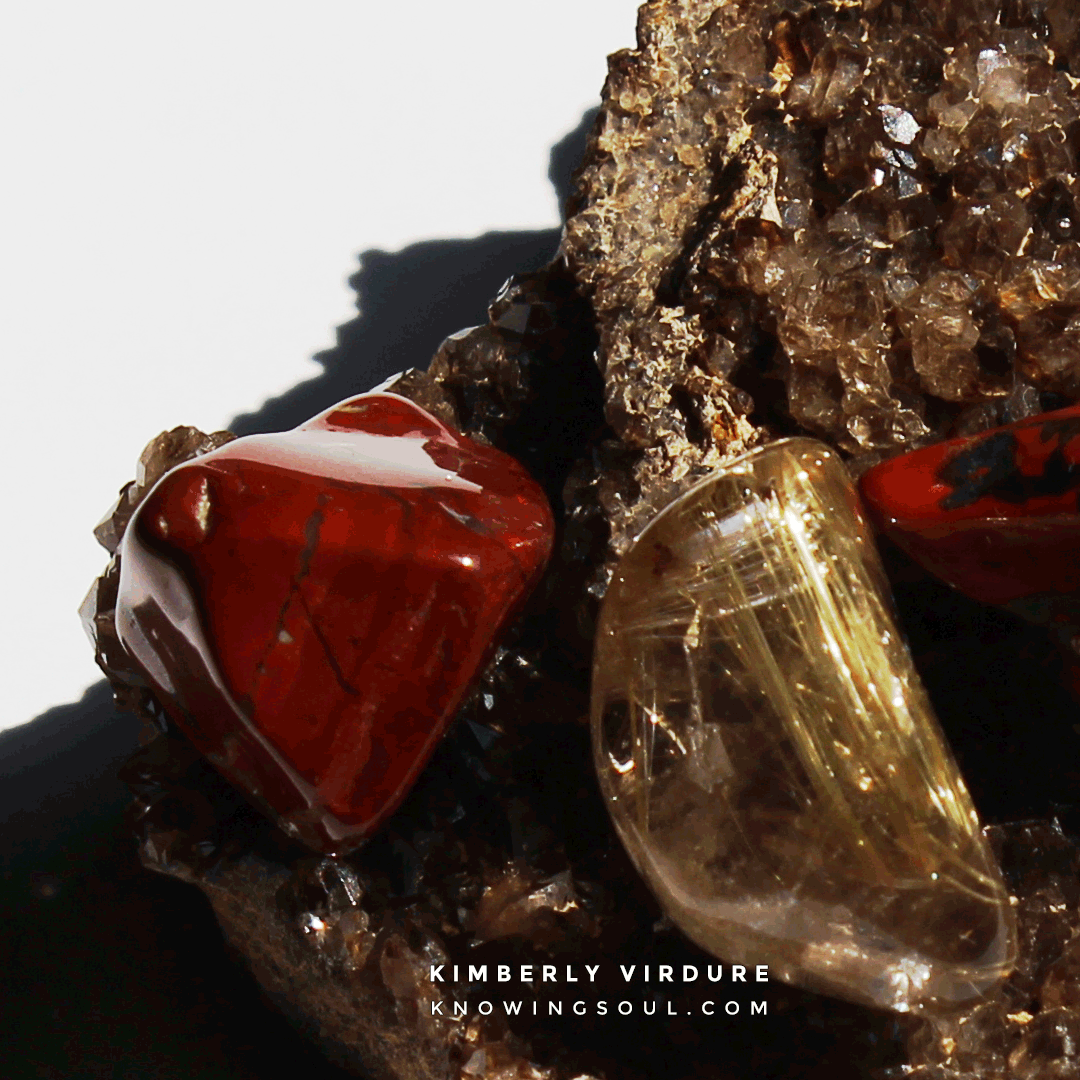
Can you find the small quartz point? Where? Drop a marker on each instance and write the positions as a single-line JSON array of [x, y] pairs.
[[769, 755]]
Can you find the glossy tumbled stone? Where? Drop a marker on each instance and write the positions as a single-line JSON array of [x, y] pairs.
[[994, 514], [310, 607], [768, 753]]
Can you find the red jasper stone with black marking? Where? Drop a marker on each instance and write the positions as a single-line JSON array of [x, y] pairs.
[[310, 607], [994, 514]]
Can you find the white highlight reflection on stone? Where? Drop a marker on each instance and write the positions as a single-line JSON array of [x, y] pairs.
[[768, 753]]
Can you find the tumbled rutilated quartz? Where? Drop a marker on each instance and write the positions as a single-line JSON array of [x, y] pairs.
[[768, 753]]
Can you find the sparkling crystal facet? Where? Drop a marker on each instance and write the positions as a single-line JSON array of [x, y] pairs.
[[768, 753], [310, 607]]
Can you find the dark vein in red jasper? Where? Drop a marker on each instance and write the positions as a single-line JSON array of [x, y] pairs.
[[311, 607], [993, 514], [328, 652], [994, 467]]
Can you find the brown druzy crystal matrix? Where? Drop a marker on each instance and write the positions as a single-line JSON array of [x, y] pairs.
[[850, 221], [855, 220]]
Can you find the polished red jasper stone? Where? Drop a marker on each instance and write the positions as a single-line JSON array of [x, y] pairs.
[[994, 514], [311, 606]]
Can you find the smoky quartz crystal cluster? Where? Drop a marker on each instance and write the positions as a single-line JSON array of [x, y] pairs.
[[851, 222], [855, 220]]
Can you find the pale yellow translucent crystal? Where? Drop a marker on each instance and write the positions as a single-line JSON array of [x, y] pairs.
[[768, 753]]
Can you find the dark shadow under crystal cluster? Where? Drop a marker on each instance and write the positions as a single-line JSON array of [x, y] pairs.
[[856, 221]]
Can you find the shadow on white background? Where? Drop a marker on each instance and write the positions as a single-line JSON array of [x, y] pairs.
[[187, 188], [189, 192]]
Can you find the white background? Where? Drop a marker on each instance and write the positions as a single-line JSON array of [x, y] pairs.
[[184, 193]]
